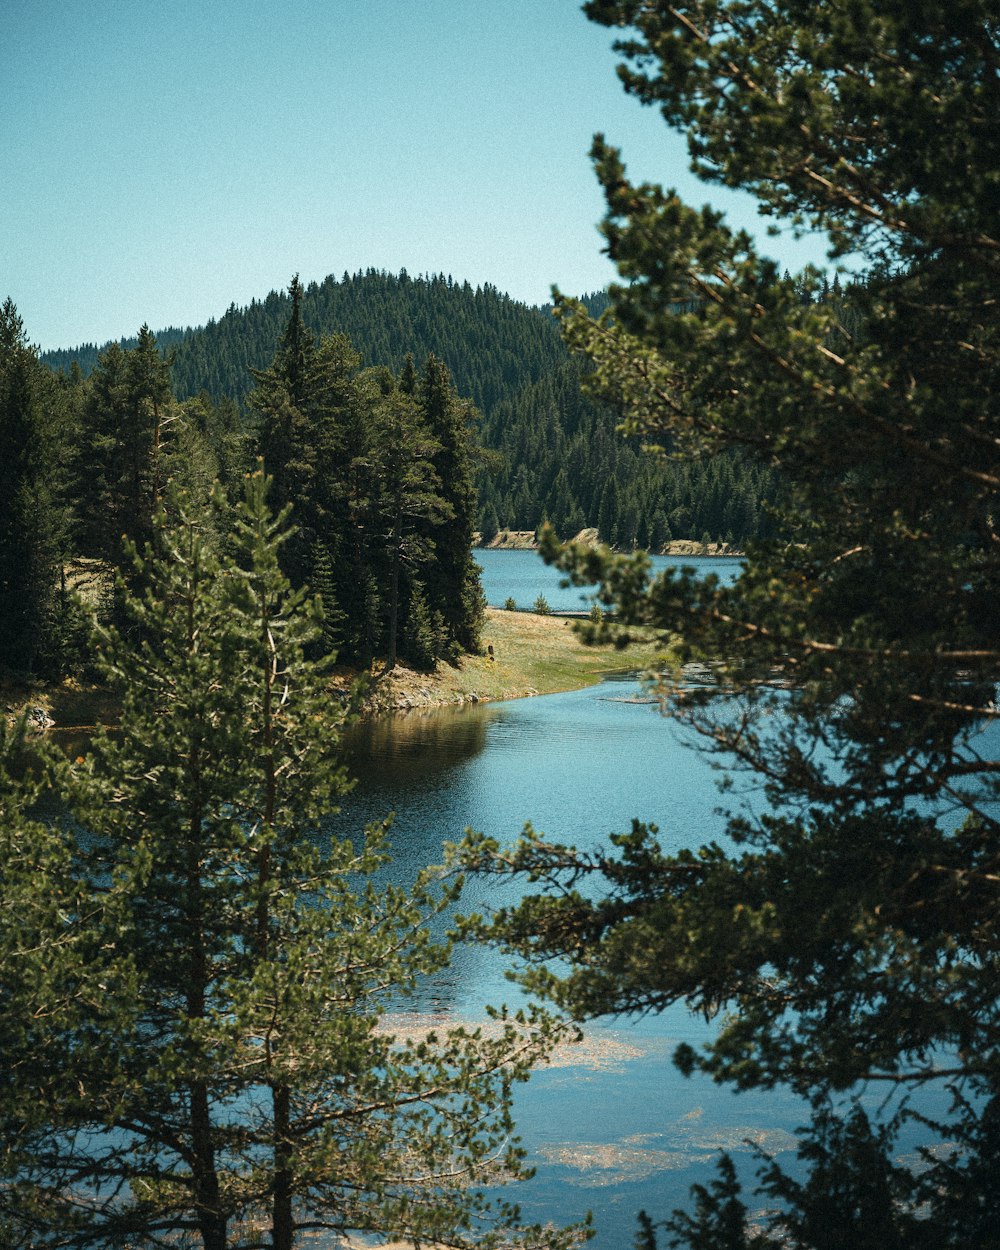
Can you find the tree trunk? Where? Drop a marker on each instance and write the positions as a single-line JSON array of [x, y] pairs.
[[211, 1219], [281, 1208], [205, 1179], [281, 1216], [393, 609]]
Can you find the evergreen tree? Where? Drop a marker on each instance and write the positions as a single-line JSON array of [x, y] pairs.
[[286, 437], [848, 933], [322, 585], [337, 441], [312, 409], [149, 395], [231, 1080], [490, 523], [296, 348], [97, 469], [451, 579], [53, 980], [120, 468], [424, 639], [506, 356], [411, 506], [33, 519]]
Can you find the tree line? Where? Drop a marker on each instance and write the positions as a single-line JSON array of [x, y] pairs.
[[377, 465], [551, 452]]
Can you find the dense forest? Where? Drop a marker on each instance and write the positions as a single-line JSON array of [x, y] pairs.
[[396, 417], [548, 452], [375, 468]]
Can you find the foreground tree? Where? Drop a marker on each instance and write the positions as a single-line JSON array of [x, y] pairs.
[[850, 933], [208, 1057]]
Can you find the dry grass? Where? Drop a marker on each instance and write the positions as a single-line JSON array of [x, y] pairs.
[[545, 654], [532, 654]]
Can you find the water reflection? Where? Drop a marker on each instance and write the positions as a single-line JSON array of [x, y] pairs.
[[628, 1131], [416, 747], [579, 766]]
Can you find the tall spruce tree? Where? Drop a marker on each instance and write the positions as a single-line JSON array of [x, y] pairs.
[[412, 506], [33, 522], [233, 1081], [305, 405], [295, 347], [120, 471], [451, 579], [849, 934]]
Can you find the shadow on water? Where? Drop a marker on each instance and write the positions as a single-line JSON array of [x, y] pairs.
[[417, 747], [415, 767], [612, 1127]]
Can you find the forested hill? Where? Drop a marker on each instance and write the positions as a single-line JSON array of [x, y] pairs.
[[560, 458], [492, 344]]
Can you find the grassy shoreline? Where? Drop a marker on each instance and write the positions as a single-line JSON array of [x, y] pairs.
[[532, 655]]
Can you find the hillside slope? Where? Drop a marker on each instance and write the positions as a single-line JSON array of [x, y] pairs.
[[557, 456]]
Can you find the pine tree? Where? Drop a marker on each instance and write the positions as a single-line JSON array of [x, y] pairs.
[[296, 348], [233, 1079], [306, 406], [322, 585], [149, 397], [452, 578], [846, 936], [120, 468], [33, 519], [54, 982], [411, 506]]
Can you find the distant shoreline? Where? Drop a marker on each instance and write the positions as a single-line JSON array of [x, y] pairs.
[[525, 540]]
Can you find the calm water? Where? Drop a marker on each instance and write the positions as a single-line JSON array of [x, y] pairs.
[[523, 576], [616, 1129], [620, 1129]]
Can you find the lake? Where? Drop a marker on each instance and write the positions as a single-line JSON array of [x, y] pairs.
[[617, 1128], [613, 1127], [523, 576]]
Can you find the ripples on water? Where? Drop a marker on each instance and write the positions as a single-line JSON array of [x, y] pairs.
[[629, 1131]]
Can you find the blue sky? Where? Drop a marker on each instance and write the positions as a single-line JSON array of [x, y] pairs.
[[162, 160]]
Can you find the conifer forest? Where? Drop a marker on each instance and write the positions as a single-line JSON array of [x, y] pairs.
[[399, 416]]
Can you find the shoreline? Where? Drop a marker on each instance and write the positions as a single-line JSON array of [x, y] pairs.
[[532, 654], [525, 540]]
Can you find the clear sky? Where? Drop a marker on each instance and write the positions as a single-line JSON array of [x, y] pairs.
[[162, 159]]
